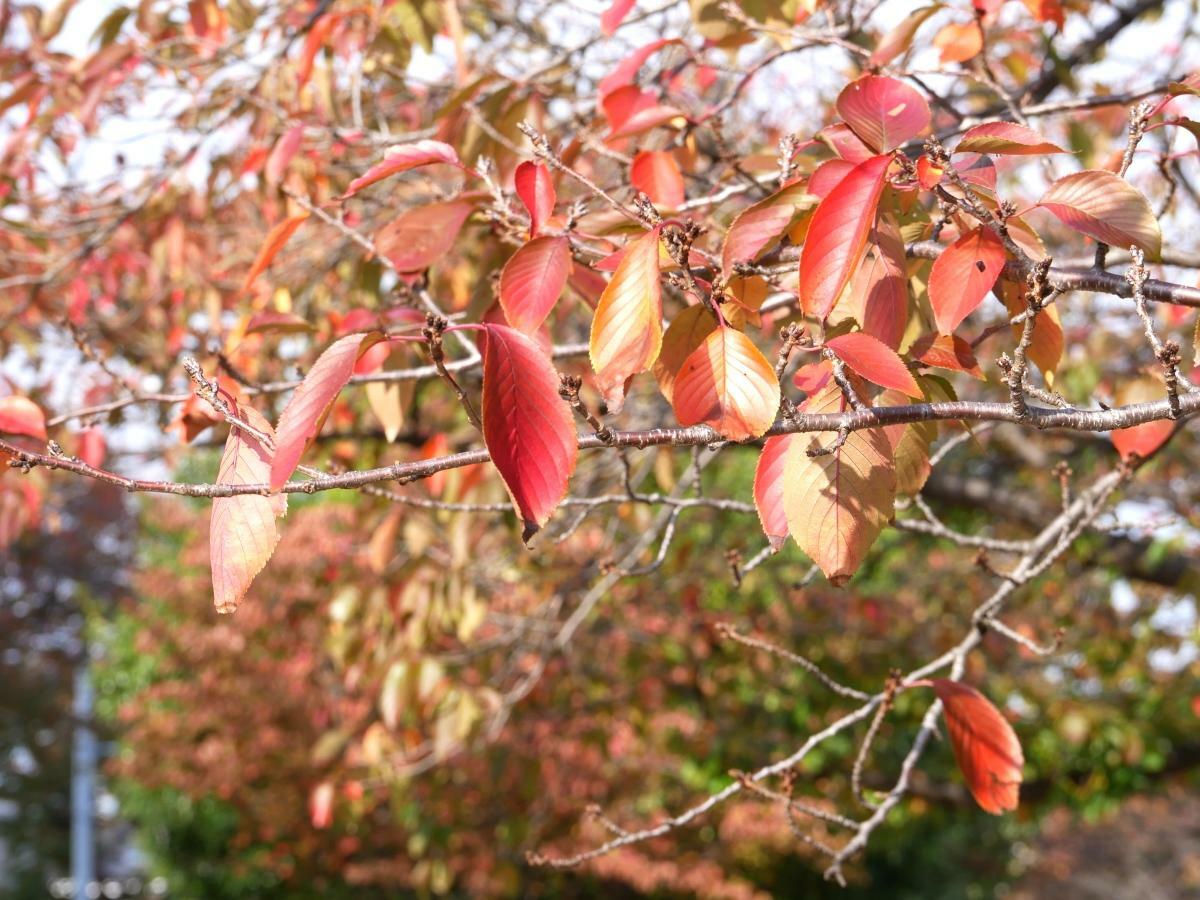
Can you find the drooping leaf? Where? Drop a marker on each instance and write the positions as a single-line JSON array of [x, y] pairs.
[[875, 361], [20, 415], [403, 157], [901, 36], [837, 236], [946, 351], [627, 69], [417, 237], [527, 427], [281, 154], [985, 746], [837, 503], [242, 532], [687, 332], [962, 276], [656, 174], [1141, 440], [302, 417], [627, 328], [535, 187], [612, 17], [532, 281], [768, 488], [277, 237], [884, 112], [1005, 138], [760, 225], [877, 297], [1106, 207], [728, 384]]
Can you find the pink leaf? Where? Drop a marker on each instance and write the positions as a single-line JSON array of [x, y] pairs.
[[20, 415], [92, 448], [403, 157], [962, 276], [612, 17], [768, 489], [527, 427], [306, 410], [532, 281], [883, 111], [1106, 207], [535, 187], [874, 361], [1005, 138], [281, 154], [416, 238], [627, 68]]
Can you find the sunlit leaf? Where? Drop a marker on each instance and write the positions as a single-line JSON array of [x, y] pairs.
[[962, 276], [403, 157], [985, 746], [768, 488], [1106, 207], [884, 112], [532, 281], [535, 186], [874, 361], [1141, 440], [728, 384], [1005, 138], [418, 237], [277, 237], [20, 415], [760, 225], [656, 174], [687, 332]]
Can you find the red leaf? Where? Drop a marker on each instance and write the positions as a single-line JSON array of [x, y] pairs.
[[535, 187], [875, 361], [317, 35], [532, 281], [242, 532], [768, 489], [627, 68], [985, 745], [837, 236], [403, 157], [20, 415], [527, 427], [879, 293], [281, 154], [1005, 138], [842, 140], [612, 17], [758, 226], [828, 175], [1141, 440], [687, 332], [962, 276], [417, 237], [1106, 207], [306, 410], [277, 237], [883, 112], [92, 448], [946, 351], [656, 174], [728, 384]]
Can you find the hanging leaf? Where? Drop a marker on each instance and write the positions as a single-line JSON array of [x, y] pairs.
[[535, 187], [837, 236], [1106, 207], [403, 157], [20, 415], [416, 238], [532, 281], [900, 38], [728, 384], [768, 488], [946, 351], [838, 502], [1141, 440], [1005, 138], [656, 174], [985, 746], [877, 297], [527, 427], [302, 417], [687, 332], [627, 328], [760, 225], [875, 361], [883, 112], [281, 154], [277, 237], [92, 447], [962, 276], [242, 532]]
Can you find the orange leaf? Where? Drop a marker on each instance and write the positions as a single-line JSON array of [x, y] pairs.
[[985, 745], [1141, 440], [962, 276], [875, 361], [281, 154], [959, 42], [417, 237], [760, 225], [306, 410], [900, 38], [910, 446], [1106, 207], [532, 281], [837, 503], [768, 488], [20, 415], [656, 174], [946, 351], [535, 187], [687, 332], [242, 532], [1048, 343], [277, 237], [728, 384], [627, 328], [837, 237], [527, 427]]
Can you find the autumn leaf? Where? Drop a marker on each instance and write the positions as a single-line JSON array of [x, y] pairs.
[[242, 531], [1106, 207], [626, 70], [959, 41], [900, 38], [277, 237], [1141, 440], [837, 503], [535, 187], [306, 410], [874, 361], [403, 157], [627, 328], [20, 415], [728, 384], [612, 17], [768, 488], [687, 332], [1048, 344], [962, 276], [946, 351], [656, 174], [416, 238], [985, 745], [527, 427], [883, 112], [837, 236], [760, 225], [92, 447], [1005, 138], [281, 154], [532, 281], [910, 446]]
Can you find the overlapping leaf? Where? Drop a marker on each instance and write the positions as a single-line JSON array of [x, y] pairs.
[[532, 281], [875, 361], [985, 746], [1106, 207], [760, 225], [416, 238], [687, 332], [768, 488], [1005, 138], [962, 276], [656, 174], [403, 157], [883, 112], [535, 186], [728, 384]]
